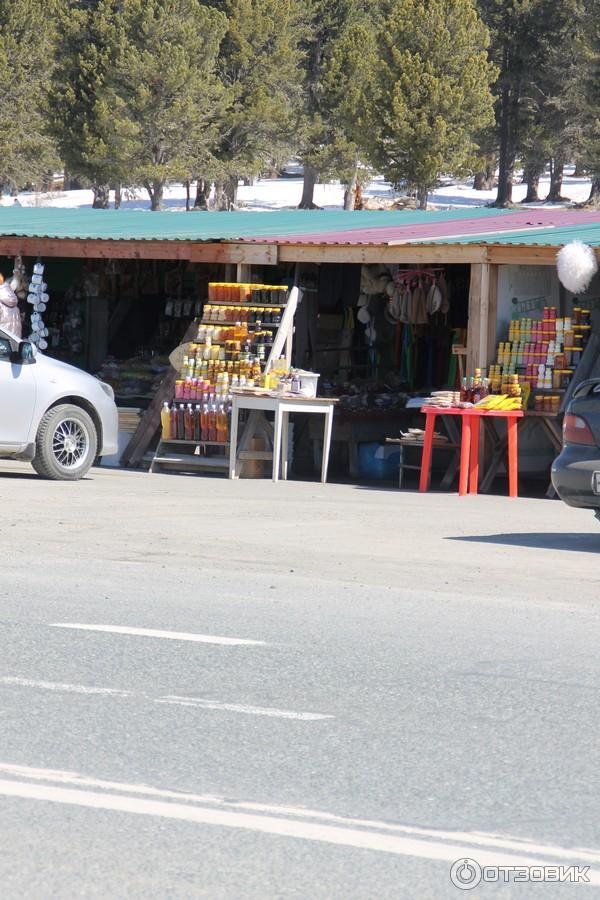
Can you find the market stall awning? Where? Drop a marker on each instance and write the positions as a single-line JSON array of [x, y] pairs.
[[460, 235]]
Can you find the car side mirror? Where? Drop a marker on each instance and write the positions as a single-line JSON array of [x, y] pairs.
[[26, 352]]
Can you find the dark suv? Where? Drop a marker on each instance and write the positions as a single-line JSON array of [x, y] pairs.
[[576, 472]]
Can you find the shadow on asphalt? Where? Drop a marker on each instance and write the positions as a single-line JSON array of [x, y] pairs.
[[581, 542]]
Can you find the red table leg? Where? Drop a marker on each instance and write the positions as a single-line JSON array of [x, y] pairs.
[[513, 457], [474, 460], [465, 448], [427, 452]]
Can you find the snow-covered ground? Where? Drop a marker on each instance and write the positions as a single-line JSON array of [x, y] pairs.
[[282, 193]]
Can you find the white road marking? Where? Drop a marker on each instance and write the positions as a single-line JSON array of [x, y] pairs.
[[69, 688], [247, 710], [172, 700], [115, 798], [169, 635], [476, 838]]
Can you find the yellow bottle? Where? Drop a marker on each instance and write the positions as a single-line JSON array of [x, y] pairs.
[[165, 421]]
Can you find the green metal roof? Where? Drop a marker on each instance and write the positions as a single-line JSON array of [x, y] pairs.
[[123, 224], [473, 226], [588, 233]]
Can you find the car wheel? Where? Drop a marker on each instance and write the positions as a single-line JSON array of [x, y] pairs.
[[66, 444]]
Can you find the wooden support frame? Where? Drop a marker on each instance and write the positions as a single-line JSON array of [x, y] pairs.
[[483, 306], [193, 251]]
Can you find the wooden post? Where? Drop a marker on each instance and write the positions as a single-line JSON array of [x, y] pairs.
[[483, 303], [244, 273]]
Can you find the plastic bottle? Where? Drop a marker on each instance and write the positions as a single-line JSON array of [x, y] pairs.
[[181, 422], [204, 421], [197, 423], [188, 423], [212, 421], [165, 421]]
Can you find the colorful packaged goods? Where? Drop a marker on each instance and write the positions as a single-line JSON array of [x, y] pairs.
[[543, 354]]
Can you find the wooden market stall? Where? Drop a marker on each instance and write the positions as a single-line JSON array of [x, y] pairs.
[[511, 255]]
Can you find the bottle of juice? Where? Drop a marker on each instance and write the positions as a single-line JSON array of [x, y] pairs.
[[212, 422], [165, 421], [189, 423], [197, 423], [181, 422], [204, 421], [173, 416], [221, 424]]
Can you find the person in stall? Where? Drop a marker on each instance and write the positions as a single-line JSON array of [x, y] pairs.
[[10, 316]]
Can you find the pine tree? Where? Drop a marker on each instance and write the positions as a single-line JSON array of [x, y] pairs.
[[90, 120], [27, 54], [507, 24], [349, 81], [587, 101], [555, 37], [166, 77], [433, 92], [324, 146], [259, 64]]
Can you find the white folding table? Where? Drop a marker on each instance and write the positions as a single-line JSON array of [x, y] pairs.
[[281, 407]]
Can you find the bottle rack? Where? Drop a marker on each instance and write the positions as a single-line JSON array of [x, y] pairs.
[[200, 456]]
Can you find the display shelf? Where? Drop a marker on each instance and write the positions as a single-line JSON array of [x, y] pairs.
[[187, 455], [246, 304], [195, 443], [188, 462]]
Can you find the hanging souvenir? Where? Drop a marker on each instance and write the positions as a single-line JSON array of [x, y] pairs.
[[38, 298]]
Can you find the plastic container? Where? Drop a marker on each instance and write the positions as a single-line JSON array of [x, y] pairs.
[[378, 462], [308, 383]]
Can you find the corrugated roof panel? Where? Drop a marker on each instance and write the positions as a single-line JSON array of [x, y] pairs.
[[478, 225], [588, 233], [273, 226]]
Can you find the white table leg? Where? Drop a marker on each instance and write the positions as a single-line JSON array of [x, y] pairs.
[[284, 444], [235, 412], [326, 443], [277, 441]]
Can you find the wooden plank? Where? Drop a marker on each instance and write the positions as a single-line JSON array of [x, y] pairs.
[[285, 330], [150, 421], [474, 323], [492, 314], [244, 273], [381, 253], [523, 256], [194, 251], [232, 252]]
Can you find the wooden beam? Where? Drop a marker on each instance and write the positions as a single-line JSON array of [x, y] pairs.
[[478, 326], [523, 256], [244, 273], [257, 254], [381, 253], [194, 251], [492, 315]]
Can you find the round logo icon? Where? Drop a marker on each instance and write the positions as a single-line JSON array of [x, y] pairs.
[[465, 874]]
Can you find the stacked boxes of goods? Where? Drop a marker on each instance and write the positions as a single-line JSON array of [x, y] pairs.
[[543, 354]]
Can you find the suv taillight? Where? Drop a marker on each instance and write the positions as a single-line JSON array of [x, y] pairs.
[[576, 430]]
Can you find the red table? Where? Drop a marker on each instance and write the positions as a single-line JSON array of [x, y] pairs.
[[469, 446]]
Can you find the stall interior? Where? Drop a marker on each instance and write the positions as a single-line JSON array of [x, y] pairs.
[[118, 319], [380, 336]]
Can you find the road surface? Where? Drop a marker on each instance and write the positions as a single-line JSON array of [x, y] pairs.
[[247, 690]]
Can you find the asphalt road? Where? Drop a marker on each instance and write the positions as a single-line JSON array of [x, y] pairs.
[[343, 691]]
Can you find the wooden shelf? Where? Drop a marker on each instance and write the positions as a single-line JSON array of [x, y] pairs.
[[196, 443], [181, 463], [247, 304]]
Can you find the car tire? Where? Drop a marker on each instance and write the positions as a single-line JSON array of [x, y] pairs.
[[66, 443]]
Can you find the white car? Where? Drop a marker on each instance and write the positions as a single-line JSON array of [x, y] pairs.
[[52, 414]]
